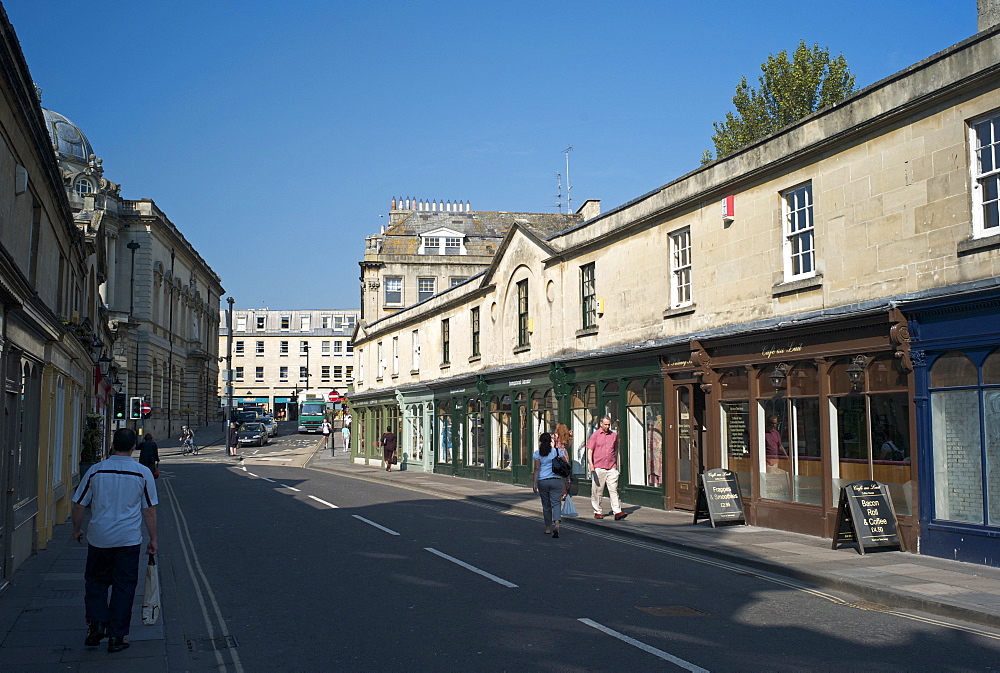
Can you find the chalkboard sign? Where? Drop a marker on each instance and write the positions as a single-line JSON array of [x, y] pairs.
[[719, 498], [865, 516]]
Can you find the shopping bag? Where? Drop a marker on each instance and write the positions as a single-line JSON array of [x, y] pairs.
[[151, 597], [568, 508]]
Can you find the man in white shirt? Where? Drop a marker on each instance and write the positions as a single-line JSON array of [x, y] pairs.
[[121, 494]]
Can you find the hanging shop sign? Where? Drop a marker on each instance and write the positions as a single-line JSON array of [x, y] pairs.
[[719, 498], [865, 517]]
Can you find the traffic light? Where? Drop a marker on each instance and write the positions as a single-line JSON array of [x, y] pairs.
[[135, 408], [119, 407]]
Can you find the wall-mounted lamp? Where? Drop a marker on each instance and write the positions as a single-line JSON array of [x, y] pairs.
[[856, 371], [104, 363], [779, 375]]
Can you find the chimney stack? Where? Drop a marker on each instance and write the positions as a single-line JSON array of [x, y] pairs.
[[989, 14]]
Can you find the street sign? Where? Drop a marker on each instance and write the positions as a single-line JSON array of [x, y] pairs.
[[333, 396], [147, 408]]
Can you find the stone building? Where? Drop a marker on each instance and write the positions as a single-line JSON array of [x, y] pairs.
[[429, 247], [54, 337], [281, 356], [835, 320]]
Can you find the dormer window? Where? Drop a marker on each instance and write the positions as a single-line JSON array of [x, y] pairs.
[[442, 242], [83, 187]]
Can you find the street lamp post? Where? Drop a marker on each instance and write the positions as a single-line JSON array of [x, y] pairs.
[[133, 376], [229, 364]]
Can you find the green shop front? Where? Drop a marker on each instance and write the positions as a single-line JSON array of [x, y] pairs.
[[487, 427]]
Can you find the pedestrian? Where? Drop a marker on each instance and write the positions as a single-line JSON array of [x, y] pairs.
[[234, 433], [388, 443], [562, 438], [346, 432], [121, 495], [149, 455], [325, 429], [548, 485], [187, 440], [602, 461]]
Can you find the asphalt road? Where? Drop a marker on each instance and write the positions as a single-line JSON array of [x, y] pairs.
[[279, 568]]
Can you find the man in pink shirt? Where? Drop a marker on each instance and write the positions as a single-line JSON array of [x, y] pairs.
[[602, 460]]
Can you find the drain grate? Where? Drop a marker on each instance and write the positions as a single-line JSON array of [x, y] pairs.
[[672, 611], [65, 593], [211, 644]]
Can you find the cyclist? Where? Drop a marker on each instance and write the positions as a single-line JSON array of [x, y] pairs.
[[187, 441]]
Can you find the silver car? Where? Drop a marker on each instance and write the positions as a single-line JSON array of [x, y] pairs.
[[270, 424]]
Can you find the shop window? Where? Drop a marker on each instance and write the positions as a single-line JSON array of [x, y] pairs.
[[735, 406], [644, 432], [502, 439], [871, 432], [544, 415], [610, 397], [475, 425], [583, 403], [791, 466], [965, 440], [986, 176], [524, 445], [444, 448]]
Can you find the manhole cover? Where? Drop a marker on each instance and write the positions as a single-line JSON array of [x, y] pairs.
[[211, 644], [672, 611]]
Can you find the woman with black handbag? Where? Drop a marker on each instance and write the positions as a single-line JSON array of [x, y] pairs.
[[548, 482]]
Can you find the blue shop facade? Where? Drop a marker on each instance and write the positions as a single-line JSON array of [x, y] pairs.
[[955, 351]]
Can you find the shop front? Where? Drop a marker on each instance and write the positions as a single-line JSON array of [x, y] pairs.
[[797, 414], [416, 428], [371, 416], [956, 355]]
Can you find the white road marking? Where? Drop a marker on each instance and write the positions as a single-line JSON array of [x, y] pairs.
[[270, 480], [290, 488], [473, 568], [324, 502], [372, 523], [287, 460], [686, 665]]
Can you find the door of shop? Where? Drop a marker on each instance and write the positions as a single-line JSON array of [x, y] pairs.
[[685, 455]]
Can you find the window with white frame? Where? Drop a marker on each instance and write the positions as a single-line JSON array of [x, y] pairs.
[[337, 345], [338, 321], [986, 176], [239, 373], [239, 348], [324, 373], [303, 347], [415, 342], [426, 288], [680, 268], [800, 240], [452, 246], [286, 323], [361, 365], [261, 322], [381, 359], [282, 348], [84, 186], [349, 373], [588, 296], [446, 341], [241, 323], [337, 375], [348, 347], [349, 321], [395, 356], [393, 291], [325, 322], [431, 245], [260, 349], [283, 373], [303, 373], [456, 280], [259, 374], [304, 321], [325, 348]]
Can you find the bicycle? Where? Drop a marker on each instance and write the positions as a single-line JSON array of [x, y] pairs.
[[189, 447]]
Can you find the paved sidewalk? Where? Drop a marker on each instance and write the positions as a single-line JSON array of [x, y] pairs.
[[891, 579], [42, 624]]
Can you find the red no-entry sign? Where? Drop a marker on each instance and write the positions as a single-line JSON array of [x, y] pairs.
[[147, 408], [334, 396]]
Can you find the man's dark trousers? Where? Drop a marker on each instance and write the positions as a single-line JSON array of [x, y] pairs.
[[118, 568]]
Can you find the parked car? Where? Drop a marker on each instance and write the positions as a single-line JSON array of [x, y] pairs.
[[247, 416], [252, 433], [270, 424]]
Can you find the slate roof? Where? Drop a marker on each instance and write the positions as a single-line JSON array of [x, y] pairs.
[[484, 230]]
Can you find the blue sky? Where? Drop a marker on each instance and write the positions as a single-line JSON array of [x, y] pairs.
[[275, 134]]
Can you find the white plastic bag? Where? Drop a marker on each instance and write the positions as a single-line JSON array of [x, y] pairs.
[[568, 508], [151, 596]]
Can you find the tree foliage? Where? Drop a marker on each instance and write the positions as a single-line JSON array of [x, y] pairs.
[[789, 90]]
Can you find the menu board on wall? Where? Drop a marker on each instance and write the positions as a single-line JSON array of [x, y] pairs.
[[865, 516], [736, 416], [719, 498]]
